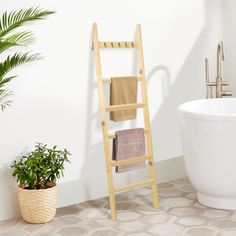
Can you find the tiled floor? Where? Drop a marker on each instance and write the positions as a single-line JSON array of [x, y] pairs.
[[179, 214]]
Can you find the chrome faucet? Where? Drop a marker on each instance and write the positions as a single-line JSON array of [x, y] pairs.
[[219, 83]]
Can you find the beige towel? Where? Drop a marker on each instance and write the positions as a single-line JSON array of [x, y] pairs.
[[127, 144], [123, 90]]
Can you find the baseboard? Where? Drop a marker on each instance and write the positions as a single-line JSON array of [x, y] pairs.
[[81, 190], [87, 189], [170, 169]]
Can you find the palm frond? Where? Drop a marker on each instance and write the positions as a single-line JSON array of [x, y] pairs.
[[18, 39], [15, 19], [4, 101], [16, 60], [5, 80], [4, 45]]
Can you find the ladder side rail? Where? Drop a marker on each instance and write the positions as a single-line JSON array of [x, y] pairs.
[[146, 115], [106, 141]]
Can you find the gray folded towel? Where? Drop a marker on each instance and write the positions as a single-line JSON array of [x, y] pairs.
[[127, 144]]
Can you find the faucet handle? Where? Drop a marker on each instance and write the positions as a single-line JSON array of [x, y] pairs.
[[224, 83], [222, 50], [226, 93], [207, 78], [211, 84]]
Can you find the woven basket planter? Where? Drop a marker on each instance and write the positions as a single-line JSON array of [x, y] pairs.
[[37, 206]]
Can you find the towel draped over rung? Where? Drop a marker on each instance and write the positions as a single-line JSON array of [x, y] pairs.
[[124, 107], [129, 105], [108, 79]]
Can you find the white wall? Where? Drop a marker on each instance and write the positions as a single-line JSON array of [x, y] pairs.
[[229, 34], [56, 99]]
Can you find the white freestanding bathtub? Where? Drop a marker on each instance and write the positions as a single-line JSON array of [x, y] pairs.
[[209, 142]]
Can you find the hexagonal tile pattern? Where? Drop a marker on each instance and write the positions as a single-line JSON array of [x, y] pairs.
[[231, 232], [139, 234], [186, 211], [159, 218], [176, 202], [215, 213], [71, 230], [191, 220], [103, 232], [200, 231], [166, 229], [233, 216], [132, 226], [179, 214], [187, 188], [125, 216], [224, 223], [93, 213], [169, 193]]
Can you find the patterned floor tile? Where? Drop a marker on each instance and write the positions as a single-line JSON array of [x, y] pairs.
[[224, 223], [139, 234], [166, 186], [181, 181], [170, 193], [158, 218], [93, 213], [126, 216], [187, 188], [215, 213], [105, 232], [186, 211], [166, 229], [200, 231], [176, 202], [191, 221], [72, 231], [179, 214], [132, 226], [230, 232]]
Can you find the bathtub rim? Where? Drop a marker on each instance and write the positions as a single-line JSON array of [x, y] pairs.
[[184, 112]]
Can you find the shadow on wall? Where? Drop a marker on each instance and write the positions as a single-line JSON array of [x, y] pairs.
[[94, 154], [188, 85], [8, 188]]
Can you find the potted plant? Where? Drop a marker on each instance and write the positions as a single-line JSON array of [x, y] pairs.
[[9, 39], [36, 173]]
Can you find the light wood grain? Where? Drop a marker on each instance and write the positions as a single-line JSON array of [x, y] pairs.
[[146, 116], [135, 185], [103, 109]]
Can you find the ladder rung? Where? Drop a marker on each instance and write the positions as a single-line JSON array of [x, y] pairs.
[[114, 44], [214, 83], [108, 80], [124, 107], [135, 185], [130, 160], [113, 135]]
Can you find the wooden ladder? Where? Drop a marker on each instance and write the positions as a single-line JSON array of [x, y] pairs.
[[103, 109]]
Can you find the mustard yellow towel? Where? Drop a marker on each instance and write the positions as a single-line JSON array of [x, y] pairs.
[[123, 90]]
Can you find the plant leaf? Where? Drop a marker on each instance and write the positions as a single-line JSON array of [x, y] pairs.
[[14, 61], [6, 80], [4, 101], [18, 39], [15, 19]]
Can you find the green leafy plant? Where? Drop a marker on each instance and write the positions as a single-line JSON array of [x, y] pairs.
[[40, 168], [9, 38]]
